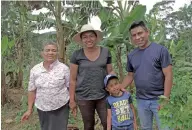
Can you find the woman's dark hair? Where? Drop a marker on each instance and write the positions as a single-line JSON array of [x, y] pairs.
[[137, 24], [88, 31]]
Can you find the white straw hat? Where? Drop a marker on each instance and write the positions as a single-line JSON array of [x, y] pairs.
[[84, 28]]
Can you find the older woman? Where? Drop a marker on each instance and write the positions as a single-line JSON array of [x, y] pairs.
[[48, 89], [88, 68]]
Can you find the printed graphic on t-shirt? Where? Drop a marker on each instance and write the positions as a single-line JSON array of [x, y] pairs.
[[122, 110]]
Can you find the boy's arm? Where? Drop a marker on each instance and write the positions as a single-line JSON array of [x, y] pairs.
[[109, 119], [134, 113], [109, 115]]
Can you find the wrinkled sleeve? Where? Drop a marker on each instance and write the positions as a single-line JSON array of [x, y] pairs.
[[165, 58], [129, 65], [67, 75], [73, 58], [31, 85]]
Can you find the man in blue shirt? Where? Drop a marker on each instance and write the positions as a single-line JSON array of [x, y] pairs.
[[149, 65]]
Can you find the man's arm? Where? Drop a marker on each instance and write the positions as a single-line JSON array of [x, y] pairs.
[[168, 80], [127, 80], [109, 119]]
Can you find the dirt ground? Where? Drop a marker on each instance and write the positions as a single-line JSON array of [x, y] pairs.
[[12, 111]]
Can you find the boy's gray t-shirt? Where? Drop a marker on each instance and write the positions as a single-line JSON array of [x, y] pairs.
[[91, 74], [147, 65]]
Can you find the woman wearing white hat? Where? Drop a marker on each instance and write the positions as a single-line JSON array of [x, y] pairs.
[[89, 65]]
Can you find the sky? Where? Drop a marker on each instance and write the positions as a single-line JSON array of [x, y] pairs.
[[177, 5], [97, 23]]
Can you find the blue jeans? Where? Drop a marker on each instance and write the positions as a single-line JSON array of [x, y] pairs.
[[147, 109], [129, 127]]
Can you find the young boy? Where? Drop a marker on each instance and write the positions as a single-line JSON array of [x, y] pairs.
[[120, 110]]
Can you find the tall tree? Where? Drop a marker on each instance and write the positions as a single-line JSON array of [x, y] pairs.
[[16, 21], [77, 11]]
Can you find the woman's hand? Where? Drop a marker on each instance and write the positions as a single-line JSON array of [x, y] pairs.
[[26, 115], [73, 107]]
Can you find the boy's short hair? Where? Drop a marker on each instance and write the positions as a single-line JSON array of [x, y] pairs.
[[108, 78], [137, 24]]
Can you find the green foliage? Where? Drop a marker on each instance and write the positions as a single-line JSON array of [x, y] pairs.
[[119, 34], [70, 49], [136, 14], [6, 45], [177, 113], [179, 21], [156, 27]]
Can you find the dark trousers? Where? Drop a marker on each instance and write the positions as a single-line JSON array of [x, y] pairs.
[[87, 109], [54, 120]]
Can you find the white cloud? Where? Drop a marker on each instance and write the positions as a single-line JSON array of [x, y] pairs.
[[43, 10], [44, 30], [180, 3]]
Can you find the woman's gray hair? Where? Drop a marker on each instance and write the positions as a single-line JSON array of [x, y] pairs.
[[49, 43]]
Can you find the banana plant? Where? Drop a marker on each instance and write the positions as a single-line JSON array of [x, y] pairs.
[[116, 21], [6, 47]]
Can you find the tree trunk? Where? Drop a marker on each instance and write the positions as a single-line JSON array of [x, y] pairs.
[[19, 74], [119, 63], [20, 78], [60, 32], [3, 89], [61, 43]]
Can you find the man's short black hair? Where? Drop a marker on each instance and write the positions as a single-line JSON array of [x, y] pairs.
[[137, 24]]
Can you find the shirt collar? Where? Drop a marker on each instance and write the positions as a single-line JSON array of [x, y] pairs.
[[53, 64], [50, 66]]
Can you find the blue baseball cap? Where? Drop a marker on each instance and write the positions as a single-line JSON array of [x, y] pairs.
[[108, 77]]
